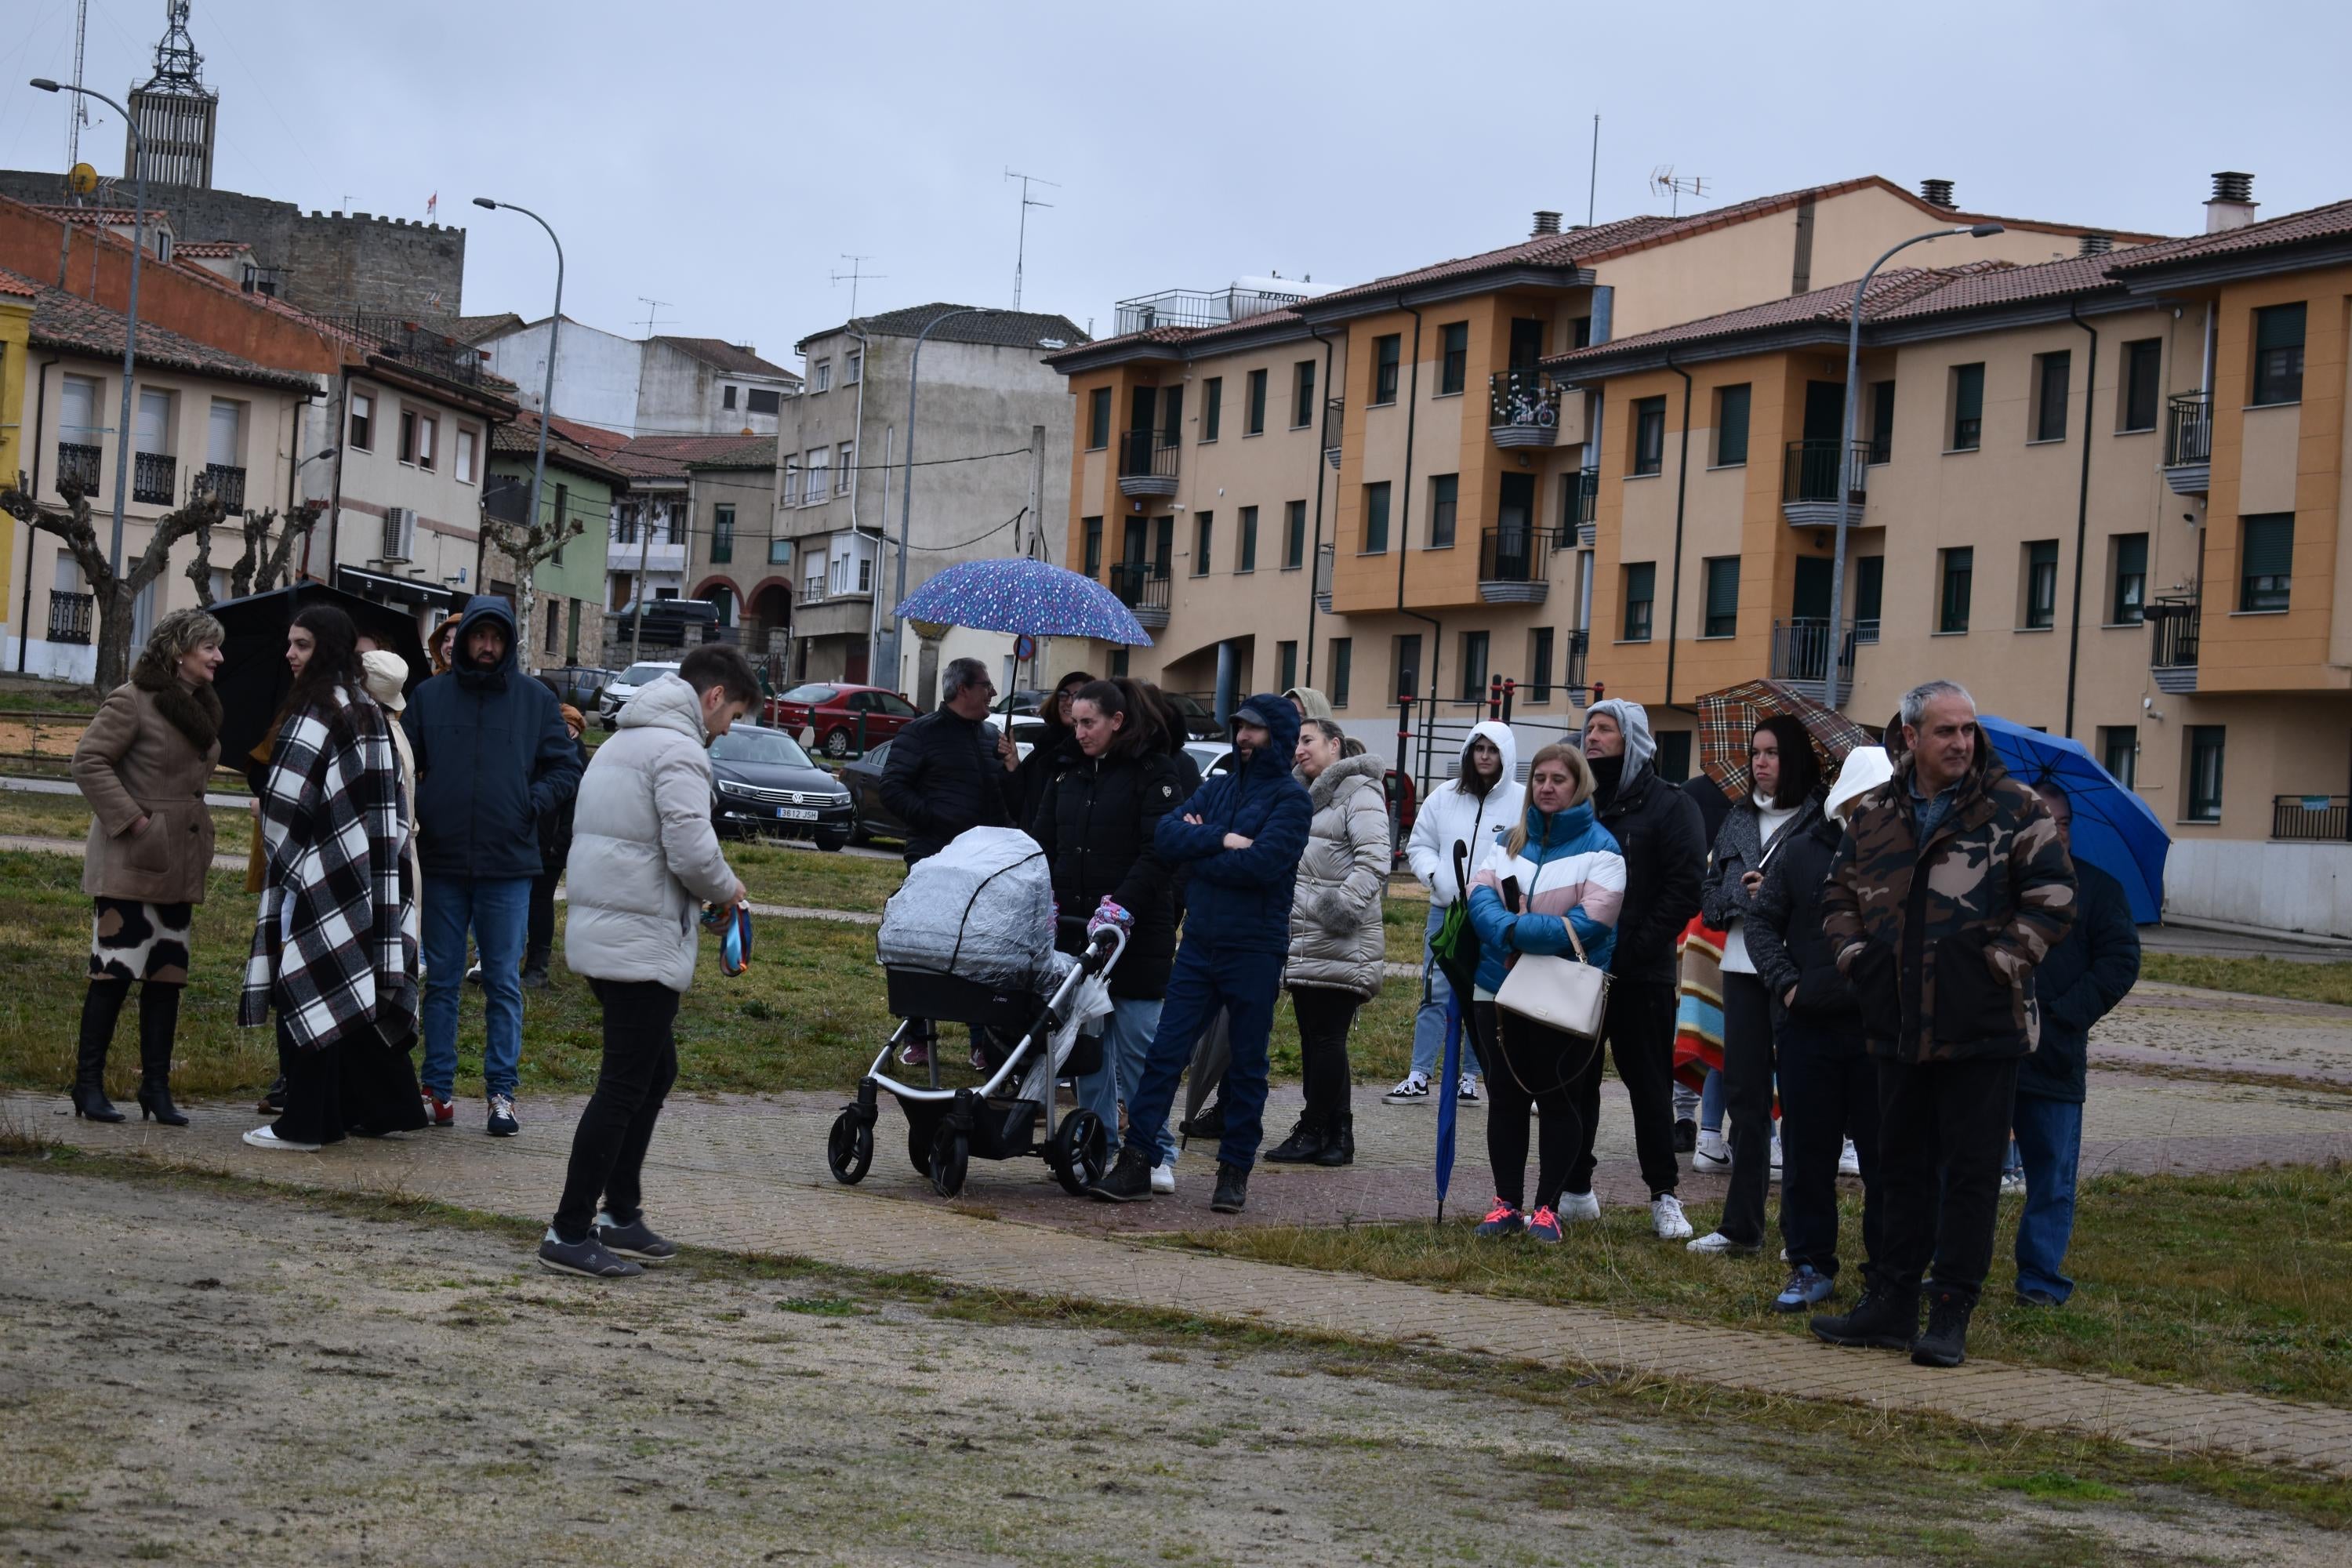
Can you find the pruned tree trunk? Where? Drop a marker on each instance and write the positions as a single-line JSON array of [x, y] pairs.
[[113, 598], [527, 547]]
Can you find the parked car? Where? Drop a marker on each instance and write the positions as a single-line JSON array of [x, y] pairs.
[[1198, 720], [834, 708], [581, 685], [618, 691], [763, 781], [1215, 757], [868, 814], [670, 622]]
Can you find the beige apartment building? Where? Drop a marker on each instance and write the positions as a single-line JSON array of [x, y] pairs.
[[1382, 487]]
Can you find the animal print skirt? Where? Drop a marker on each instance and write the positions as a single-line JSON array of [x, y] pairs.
[[131, 940]]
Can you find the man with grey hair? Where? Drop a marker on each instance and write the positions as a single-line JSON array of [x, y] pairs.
[[1950, 888]]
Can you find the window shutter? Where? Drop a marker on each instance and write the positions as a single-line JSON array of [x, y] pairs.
[[2270, 546], [2278, 327], [1972, 392]]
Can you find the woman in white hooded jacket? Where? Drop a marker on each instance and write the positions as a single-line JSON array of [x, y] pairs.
[[1477, 808]]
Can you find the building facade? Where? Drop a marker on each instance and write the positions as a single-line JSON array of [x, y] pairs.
[[567, 613], [735, 559], [661, 386]]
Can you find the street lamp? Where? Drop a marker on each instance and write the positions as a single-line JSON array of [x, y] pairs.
[[907, 483], [1846, 450], [554, 327], [130, 326]]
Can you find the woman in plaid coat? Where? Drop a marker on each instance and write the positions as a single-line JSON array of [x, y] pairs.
[[334, 941]]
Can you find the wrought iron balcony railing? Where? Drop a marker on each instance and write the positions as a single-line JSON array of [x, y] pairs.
[[1147, 463], [70, 616], [2188, 431], [2314, 818], [78, 463], [1810, 473], [154, 478], [225, 481], [1523, 407], [1801, 649]]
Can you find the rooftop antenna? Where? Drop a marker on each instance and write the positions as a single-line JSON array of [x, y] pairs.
[[77, 115], [1592, 180], [855, 275], [653, 309], [1664, 181], [1020, 255]]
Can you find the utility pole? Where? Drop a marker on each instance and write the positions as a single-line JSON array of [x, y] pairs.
[[1021, 253]]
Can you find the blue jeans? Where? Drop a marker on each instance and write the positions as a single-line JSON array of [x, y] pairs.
[[1429, 1024], [497, 911], [1127, 1038], [1207, 977], [2050, 1142]]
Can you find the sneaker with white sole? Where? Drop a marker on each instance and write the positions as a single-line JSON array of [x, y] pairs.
[[501, 1123], [266, 1138], [1668, 1219], [1465, 1091], [2012, 1183], [635, 1239], [1163, 1178], [1713, 1153], [1714, 1241], [590, 1257], [1849, 1160], [1413, 1090], [1807, 1287], [1580, 1209], [1776, 1157]]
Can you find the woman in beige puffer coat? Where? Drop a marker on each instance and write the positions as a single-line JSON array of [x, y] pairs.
[[1336, 943]]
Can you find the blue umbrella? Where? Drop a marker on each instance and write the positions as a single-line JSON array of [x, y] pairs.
[[1446, 1111], [1029, 597], [2113, 828]]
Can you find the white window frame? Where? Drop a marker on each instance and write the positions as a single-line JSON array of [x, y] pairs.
[[846, 464], [821, 376], [362, 411], [462, 468]]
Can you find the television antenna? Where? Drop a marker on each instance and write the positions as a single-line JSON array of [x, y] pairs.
[[855, 275], [79, 114], [653, 310], [1020, 255], [1664, 181]]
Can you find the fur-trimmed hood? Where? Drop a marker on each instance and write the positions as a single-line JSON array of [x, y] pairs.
[[194, 710]]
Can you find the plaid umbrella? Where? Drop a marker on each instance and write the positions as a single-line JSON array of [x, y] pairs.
[[1728, 717]]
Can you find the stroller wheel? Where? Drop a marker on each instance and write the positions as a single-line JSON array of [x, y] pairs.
[[950, 1156], [919, 1135], [849, 1149], [1078, 1151]]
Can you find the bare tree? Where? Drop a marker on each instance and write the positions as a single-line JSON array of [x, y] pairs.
[[266, 564], [114, 597], [526, 545]]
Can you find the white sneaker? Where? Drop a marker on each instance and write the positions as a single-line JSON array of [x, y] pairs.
[[1163, 1177], [266, 1138], [1465, 1092], [1714, 1241], [1666, 1219], [1579, 1208], [1714, 1153], [2012, 1183], [1849, 1162], [1412, 1091]]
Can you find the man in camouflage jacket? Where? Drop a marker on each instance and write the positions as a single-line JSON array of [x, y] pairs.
[[1950, 886]]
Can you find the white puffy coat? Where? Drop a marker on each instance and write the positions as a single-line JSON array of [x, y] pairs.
[[1452, 812], [644, 856], [1336, 938]]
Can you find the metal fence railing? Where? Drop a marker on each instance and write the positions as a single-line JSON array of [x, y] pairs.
[[2313, 819]]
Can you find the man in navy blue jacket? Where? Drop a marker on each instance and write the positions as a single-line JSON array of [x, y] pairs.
[[493, 759], [1242, 834]]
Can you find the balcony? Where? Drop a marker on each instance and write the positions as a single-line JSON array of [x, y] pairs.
[[2172, 655], [1580, 646], [154, 478], [1800, 652], [69, 617], [1512, 565], [1809, 481], [2189, 444], [1523, 409], [638, 555], [1323, 554], [222, 480], [1335, 427], [78, 465], [1142, 587], [2312, 818], [1583, 502], [1197, 308], [1147, 465], [417, 345]]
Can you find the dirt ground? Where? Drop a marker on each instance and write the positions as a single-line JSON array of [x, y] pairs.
[[194, 1374]]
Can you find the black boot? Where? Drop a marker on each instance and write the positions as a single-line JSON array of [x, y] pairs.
[[100, 1006], [1127, 1181], [1339, 1142], [1303, 1146], [534, 968], [158, 1020], [1946, 1342], [1232, 1189], [1210, 1123], [1885, 1319]]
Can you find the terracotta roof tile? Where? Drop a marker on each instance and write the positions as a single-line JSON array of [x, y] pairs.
[[19, 288], [63, 320], [521, 439], [2333, 221], [211, 247], [665, 457]]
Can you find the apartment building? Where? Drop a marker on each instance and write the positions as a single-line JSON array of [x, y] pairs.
[[2105, 493], [567, 612], [657, 386], [1381, 489], [735, 559]]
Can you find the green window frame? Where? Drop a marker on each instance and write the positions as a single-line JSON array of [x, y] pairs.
[[1341, 659], [1444, 502], [1722, 596], [1098, 419], [2040, 584], [1205, 536], [1213, 406], [2127, 605], [1094, 546], [1731, 404], [1286, 665], [1302, 394], [1247, 560], [1956, 577], [2278, 354], [2204, 755], [2266, 562], [1294, 536], [1255, 422], [1473, 666], [722, 535], [1641, 598], [1869, 590], [2143, 384], [2054, 375], [1454, 357], [1882, 421], [1967, 407], [1648, 435], [1386, 351], [1376, 518], [2119, 752], [1540, 664]]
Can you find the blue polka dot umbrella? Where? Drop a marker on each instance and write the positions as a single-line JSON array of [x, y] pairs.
[[1027, 598]]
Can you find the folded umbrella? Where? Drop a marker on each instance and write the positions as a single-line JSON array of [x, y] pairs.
[[2113, 829], [1727, 719]]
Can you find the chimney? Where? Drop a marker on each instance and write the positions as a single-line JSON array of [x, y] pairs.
[[1545, 223], [2232, 204], [2097, 244], [1936, 192]]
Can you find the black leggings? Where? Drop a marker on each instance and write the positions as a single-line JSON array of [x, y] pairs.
[[1533, 1068], [1324, 1013]]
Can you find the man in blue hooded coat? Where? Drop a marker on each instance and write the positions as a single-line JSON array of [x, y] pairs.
[[1242, 834]]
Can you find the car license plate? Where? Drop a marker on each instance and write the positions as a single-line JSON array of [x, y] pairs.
[[796, 813]]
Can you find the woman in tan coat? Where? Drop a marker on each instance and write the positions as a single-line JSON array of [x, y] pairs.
[[142, 765]]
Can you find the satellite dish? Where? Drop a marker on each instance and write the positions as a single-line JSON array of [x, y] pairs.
[[82, 179]]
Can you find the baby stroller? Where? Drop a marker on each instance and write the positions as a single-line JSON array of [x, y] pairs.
[[969, 940]]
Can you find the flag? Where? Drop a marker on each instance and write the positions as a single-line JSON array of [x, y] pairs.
[[432, 204]]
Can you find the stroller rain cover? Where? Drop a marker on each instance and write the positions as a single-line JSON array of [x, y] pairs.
[[981, 909]]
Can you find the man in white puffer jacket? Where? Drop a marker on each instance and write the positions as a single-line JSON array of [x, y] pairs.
[[644, 860], [1477, 807]]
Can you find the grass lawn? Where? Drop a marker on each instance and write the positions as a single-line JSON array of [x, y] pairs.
[[2240, 1282], [67, 817], [2254, 976]]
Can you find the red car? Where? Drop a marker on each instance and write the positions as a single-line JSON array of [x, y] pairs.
[[834, 709]]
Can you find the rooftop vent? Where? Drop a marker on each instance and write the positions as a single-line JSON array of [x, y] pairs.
[[2232, 204], [2233, 186], [1545, 223], [1936, 192], [2097, 244]]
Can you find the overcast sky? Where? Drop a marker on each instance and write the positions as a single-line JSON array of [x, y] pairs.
[[723, 157]]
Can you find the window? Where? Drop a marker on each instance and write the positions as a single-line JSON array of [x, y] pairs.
[[554, 625], [1474, 667], [722, 535], [1286, 665], [1213, 406], [764, 400], [780, 551], [363, 421], [2128, 605], [1967, 407], [1882, 421], [2278, 354], [463, 466], [1098, 419], [1959, 567], [1454, 357], [853, 368], [822, 380], [224, 433], [1117, 667], [866, 575], [2143, 371], [1731, 426], [1648, 435], [1640, 592], [792, 481], [2204, 756], [2119, 752], [815, 465], [1163, 547], [2040, 584], [1385, 351], [1869, 585], [1094, 546], [1376, 518], [572, 635], [1247, 559], [428, 429], [1406, 653], [1203, 535], [1294, 536], [406, 451], [1255, 422], [1341, 662], [2266, 565], [1722, 598], [1171, 415], [1302, 394], [2051, 375], [844, 459], [1539, 665], [562, 518], [1444, 495], [727, 397]]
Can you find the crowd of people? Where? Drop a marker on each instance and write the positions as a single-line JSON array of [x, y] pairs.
[[1910, 959]]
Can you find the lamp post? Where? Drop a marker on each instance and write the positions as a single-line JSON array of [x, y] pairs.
[[555, 328], [130, 327], [907, 482], [1836, 640]]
